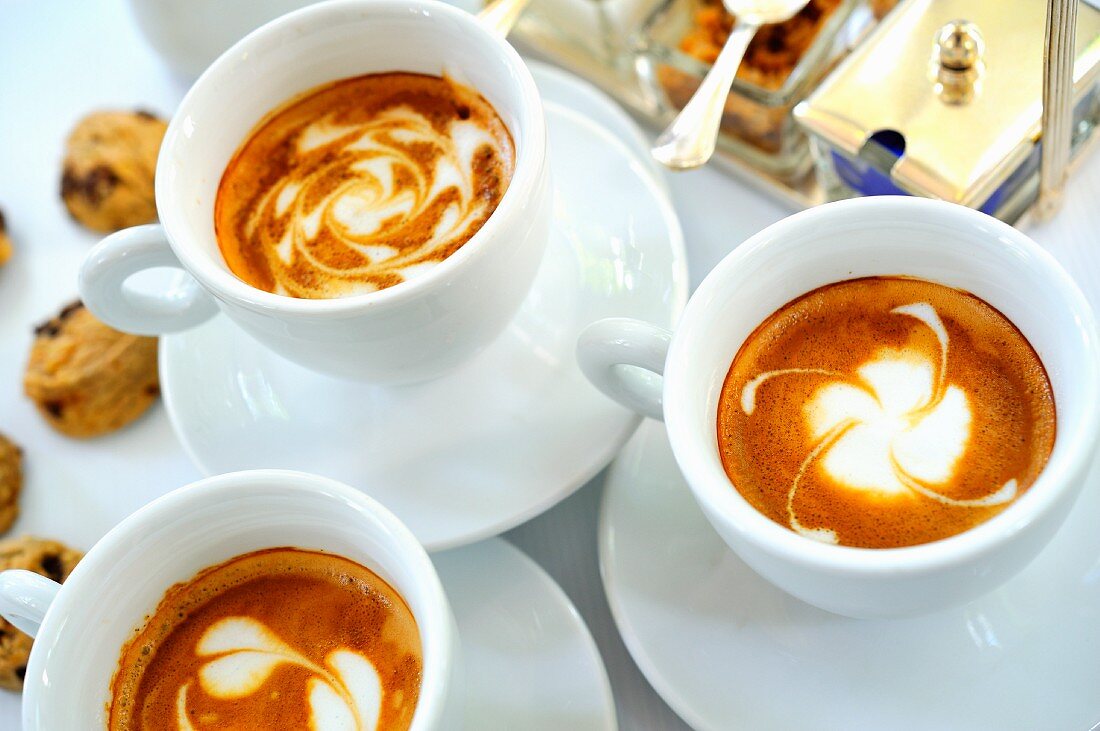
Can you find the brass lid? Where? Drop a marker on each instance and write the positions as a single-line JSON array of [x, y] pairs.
[[960, 80]]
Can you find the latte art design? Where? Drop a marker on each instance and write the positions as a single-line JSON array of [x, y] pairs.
[[884, 412], [344, 693], [273, 639], [362, 185], [892, 427]]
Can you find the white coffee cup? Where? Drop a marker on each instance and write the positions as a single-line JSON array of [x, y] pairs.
[[413, 331], [874, 236], [81, 626]]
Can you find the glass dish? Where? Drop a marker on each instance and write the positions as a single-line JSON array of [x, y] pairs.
[[756, 125], [591, 36]]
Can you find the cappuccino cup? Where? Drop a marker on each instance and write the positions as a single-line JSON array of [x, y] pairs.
[[679, 377], [413, 331], [82, 626]]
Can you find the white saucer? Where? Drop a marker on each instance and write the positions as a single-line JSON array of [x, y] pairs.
[[515, 430], [530, 661], [727, 650], [561, 87]]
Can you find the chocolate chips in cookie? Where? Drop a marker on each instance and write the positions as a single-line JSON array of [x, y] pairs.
[[110, 161], [47, 558], [88, 379]]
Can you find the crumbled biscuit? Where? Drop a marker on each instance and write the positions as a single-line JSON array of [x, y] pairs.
[[775, 49], [773, 53], [110, 161], [88, 379]]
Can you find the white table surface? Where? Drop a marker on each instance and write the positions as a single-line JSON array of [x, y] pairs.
[[62, 58]]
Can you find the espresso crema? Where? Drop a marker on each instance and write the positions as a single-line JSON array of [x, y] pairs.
[[281, 638], [885, 412], [362, 184]]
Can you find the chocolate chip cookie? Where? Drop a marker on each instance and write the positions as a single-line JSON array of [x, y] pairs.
[[88, 379], [11, 481], [110, 159], [48, 558]]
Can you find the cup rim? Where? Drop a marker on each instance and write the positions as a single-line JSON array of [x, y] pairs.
[[692, 453], [434, 623], [530, 159]]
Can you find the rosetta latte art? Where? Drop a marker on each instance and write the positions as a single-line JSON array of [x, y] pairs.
[[361, 185], [895, 427]]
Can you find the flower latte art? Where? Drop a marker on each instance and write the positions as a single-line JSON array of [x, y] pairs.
[[885, 412], [281, 638], [362, 184]]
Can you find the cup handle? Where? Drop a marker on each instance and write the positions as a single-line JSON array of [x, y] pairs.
[[125, 253], [607, 345], [24, 598]]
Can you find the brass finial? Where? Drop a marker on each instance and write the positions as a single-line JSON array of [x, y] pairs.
[[960, 45], [957, 61]]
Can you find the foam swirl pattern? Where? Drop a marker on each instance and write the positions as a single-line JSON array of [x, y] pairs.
[[885, 412], [361, 185]]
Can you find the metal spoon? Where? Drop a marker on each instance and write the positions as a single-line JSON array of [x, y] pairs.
[[689, 141], [500, 15]]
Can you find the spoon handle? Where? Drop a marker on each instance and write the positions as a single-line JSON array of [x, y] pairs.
[[689, 141], [500, 15]]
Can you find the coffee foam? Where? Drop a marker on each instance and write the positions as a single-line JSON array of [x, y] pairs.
[[362, 184], [284, 638], [344, 692], [884, 412]]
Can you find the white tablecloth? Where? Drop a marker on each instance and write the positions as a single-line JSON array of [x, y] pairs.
[[62, 58]]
